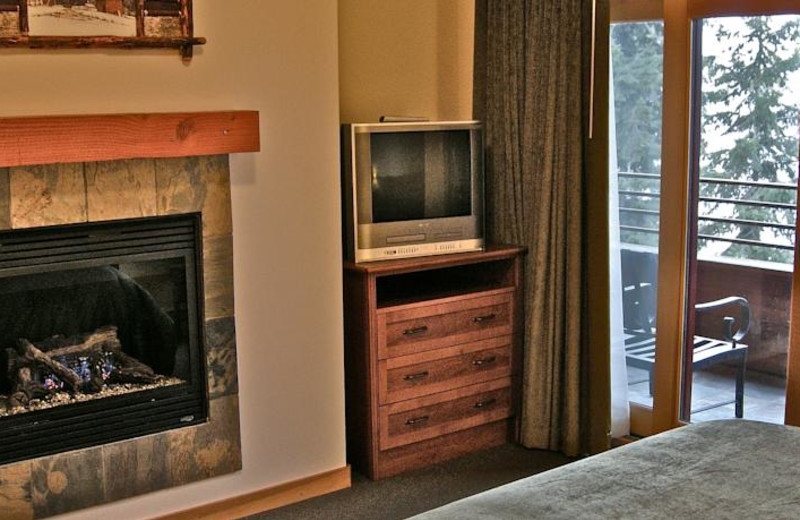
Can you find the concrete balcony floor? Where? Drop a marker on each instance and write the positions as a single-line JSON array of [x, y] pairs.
[[764, 395]]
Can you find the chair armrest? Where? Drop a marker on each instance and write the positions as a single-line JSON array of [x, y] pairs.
[[728, 321]]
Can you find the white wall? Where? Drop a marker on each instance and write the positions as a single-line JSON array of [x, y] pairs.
[[406, 57], [278, 57]]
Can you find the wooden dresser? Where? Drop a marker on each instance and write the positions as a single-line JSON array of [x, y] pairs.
[[433, 350]]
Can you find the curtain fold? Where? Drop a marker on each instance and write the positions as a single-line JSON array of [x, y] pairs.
[[544, 178]]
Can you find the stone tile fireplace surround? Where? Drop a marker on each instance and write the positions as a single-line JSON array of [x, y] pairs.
[[163, 165]]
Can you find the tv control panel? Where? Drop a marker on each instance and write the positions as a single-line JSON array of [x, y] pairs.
[[437, 248]]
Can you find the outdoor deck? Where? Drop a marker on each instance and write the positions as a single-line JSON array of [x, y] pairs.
[[764, 395]]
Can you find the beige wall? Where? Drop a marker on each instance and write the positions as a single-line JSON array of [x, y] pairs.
[[405, 57], [278, 57]]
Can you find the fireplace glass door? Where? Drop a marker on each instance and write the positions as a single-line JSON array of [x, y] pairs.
[[100, 336]]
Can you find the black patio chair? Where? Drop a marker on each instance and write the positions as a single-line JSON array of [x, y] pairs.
[[639, 299]]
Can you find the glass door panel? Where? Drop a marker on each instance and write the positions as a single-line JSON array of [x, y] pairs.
[[746, 93], [637, 76]]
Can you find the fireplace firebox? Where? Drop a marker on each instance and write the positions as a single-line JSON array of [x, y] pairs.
[[101, 335]]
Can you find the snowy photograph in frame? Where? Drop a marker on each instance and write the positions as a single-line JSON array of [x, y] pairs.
[[82, 17]]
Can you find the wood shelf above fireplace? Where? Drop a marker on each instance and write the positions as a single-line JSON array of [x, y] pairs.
[[26, 141]]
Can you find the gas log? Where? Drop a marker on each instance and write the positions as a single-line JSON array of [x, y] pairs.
[[84, 363]]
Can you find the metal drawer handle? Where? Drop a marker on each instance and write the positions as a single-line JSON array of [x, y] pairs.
[[415, 331], [484, 318], [417, 420], [485, 403], [485, 361], [416, 377]]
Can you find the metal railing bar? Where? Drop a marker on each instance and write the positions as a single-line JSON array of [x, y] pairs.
[[713, 180], [652, 212], [639, 175], [646, 197], [756, 203], [642, 194], [735, 221], [718, 200], [742, 241], [637, 229], [755, 184]]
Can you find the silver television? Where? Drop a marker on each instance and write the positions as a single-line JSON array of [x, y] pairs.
[[412, 189]]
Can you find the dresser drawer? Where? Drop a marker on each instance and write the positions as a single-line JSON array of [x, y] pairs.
[[428, 417], [443, 369], [424, 327]]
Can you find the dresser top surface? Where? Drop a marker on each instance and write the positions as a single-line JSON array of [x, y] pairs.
[[492, 253]]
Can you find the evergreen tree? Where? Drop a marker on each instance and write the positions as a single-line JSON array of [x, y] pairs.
[[637, 55], [744, 103]]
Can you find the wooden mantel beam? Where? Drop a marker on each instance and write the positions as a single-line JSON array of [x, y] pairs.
[[26, 141]]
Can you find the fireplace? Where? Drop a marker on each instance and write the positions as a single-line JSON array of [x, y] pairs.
[[100, 333], [117, 208]]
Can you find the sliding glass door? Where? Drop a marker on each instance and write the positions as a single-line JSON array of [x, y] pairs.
[[704, 166], [743, 199]]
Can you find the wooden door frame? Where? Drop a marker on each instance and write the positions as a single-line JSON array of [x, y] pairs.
[[692, 222], [672, 257], [636, 10], [722, 8], [679, 16], [792, 409], [673, 254], [642, 416]]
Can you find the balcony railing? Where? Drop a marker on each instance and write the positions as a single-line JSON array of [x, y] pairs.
[[639, 210], [766, 285]]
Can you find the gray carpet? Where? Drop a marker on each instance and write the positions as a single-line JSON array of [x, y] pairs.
[[417, 491]]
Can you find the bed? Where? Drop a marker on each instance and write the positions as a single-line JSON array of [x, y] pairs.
[[718, 469]]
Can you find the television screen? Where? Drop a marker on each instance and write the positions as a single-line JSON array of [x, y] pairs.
[[420, 175]]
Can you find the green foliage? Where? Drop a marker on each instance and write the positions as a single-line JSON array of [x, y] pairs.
[[745, 106], [750, 129], [637, 54]]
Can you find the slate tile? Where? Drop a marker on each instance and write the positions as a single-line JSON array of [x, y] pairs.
[[47, 195], [197, 184], [208, 450], [15, 492], [67, 482], [5, 199], [221, 357], [121, 189], [136, 467], [218, 276]]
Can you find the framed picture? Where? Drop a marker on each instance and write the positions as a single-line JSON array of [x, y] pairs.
[[98, 23], [80, 18]]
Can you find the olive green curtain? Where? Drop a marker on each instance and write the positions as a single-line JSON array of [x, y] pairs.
[[547, 189]]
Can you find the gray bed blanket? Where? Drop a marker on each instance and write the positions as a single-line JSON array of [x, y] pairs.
[[719, 469]]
